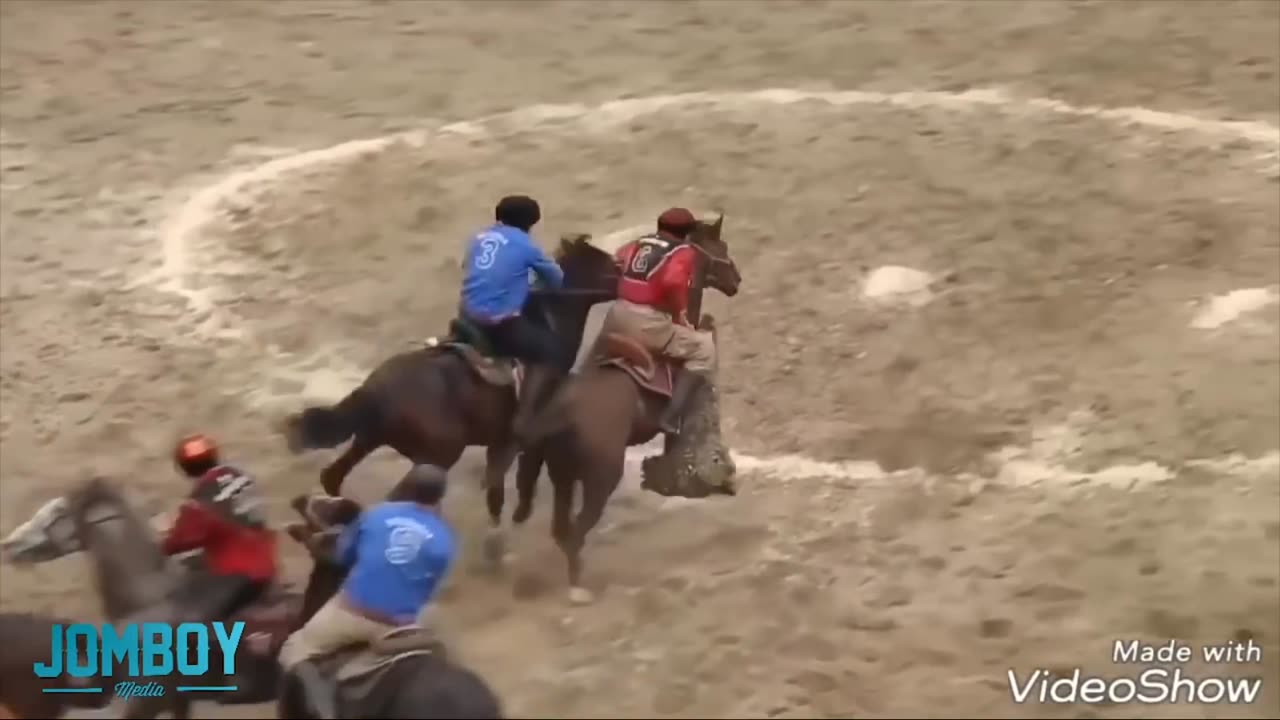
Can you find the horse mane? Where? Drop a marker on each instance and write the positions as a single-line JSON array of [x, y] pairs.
[[577, 247]]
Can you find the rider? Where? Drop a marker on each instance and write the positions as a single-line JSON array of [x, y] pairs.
[[223, 516], [494, 293], [653, 300], [398, 552]]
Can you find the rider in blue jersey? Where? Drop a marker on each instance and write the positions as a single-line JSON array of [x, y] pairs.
[[399, 553], [494, 291]]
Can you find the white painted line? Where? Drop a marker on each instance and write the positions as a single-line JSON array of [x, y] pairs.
[[184, 228], [1222, 309]]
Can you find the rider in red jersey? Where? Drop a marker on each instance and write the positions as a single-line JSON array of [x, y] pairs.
[[653, 302], [224, 517]]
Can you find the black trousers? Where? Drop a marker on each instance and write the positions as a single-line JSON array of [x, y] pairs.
[[522, 338]]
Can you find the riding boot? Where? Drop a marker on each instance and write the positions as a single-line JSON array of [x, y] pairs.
[[322, 693], [686, 386]]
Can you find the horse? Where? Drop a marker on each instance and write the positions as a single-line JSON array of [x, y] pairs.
[[615, 402], [25, 639], [432, 402], [407, 674], [133, 578]]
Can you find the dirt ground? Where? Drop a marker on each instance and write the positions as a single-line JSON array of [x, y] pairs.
[[1071, 252]]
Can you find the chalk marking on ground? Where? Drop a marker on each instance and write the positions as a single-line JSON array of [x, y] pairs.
[[1222, 309], [204, 207]]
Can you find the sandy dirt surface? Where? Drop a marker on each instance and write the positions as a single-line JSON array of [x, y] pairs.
[[1042, 459]]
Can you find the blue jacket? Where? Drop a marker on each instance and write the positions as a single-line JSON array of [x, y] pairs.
[[399, 553], [497, 267]]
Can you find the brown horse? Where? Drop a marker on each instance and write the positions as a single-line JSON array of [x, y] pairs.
[[25, 639], [614, 402], [430, 404], [133, 577], [409, 675]]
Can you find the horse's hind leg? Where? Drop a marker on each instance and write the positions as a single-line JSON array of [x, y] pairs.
[[332, 477], [498, 459]]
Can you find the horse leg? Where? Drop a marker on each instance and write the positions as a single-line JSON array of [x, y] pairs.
[[498, 459], [332, 477], [527, 472], [598, 485], [563, 481]]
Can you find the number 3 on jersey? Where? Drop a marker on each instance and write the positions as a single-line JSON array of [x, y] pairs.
[[490, 244]]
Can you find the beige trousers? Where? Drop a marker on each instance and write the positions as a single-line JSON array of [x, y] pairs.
[[661, 335], [332, 628]]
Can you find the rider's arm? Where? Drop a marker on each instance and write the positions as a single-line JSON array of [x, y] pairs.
[[546, 268], [191, 530], [677, 276]]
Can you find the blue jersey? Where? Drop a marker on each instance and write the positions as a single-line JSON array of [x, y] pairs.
[[497, 267], [399, 553]]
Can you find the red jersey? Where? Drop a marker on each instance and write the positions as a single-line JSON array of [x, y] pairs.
[[657, 272], [223, 516]]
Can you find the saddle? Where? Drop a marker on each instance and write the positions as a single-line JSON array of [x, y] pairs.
[[653, 373], [468, 341], [358, 670]]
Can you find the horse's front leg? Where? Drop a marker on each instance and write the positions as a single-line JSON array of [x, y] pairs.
[[498, 459], [527, 472]]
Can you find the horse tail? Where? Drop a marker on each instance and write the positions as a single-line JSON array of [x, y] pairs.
[[320, 427]]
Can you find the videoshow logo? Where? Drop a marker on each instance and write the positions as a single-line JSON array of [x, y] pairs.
[[134, 660]]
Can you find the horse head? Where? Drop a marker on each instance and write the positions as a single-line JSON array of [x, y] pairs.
[[585, 266], [47, 535], [720, 271], [323, 519], [95, 518]]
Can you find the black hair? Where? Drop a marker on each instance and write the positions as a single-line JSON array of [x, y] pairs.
[[518, 211]]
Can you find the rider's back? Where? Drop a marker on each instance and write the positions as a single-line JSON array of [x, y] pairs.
[[497, 268], [399, 554]]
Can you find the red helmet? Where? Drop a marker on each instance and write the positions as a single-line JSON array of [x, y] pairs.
[[196, 454], [678, 221]]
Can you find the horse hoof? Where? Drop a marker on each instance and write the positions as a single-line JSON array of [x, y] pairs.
[[581, 596], [495, 547]]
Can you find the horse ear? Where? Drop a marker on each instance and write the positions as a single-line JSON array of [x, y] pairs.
[[300, 503], [298, 532], [718, 225]]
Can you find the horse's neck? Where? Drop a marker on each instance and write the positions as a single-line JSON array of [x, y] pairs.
[[695, 294], [573, 323], [130, 570]]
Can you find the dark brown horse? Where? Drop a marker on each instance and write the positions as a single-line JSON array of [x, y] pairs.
[[430, 404], [133, 577], [615, 401], [24, 638], [415, 680]]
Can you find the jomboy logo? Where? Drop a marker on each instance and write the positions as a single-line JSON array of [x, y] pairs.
[[132, 659]]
